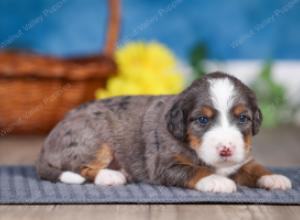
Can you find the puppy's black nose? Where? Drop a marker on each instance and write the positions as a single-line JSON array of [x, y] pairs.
[[225, 152]]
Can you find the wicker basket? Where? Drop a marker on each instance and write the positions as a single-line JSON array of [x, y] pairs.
[[36, 91]]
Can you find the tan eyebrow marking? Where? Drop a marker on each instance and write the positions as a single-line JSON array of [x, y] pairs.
[[238, 109], [207, 111]]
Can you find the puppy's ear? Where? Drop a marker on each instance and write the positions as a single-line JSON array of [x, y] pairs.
[[177, 117], [257, 120], [257, 117]]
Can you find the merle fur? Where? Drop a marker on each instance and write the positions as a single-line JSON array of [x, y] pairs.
[[145, 133]]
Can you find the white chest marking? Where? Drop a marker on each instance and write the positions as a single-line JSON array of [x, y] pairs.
[[227, 171]]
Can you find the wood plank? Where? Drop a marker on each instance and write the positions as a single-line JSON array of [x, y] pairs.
[[157, 212]]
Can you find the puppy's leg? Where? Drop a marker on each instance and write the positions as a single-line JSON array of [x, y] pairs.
[[199, 178], [101, 170], [253, 174], [215, 183], [185, 174]]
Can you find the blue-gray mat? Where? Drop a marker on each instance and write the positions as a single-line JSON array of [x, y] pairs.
[[20, 185]]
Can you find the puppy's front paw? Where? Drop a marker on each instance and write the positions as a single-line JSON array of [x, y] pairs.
[[216, 183], [107, 177], [274, 181]]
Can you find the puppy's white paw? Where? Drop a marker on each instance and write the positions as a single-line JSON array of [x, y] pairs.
[[216, 183], [107, 177], [71, 178], [274, 181]]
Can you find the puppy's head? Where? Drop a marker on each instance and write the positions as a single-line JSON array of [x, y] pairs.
[[217, 117]]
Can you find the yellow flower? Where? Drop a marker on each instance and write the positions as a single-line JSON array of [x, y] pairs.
[[148, 69]]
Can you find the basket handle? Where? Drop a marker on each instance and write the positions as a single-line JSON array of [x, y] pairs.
[[113, 27]]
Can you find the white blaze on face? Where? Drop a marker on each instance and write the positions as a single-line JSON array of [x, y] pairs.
[[223, 132]]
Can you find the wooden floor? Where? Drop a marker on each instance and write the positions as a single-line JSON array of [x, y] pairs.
[[156, 212], [277, 147]]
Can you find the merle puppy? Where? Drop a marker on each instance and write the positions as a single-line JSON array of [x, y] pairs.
[[200, 138]]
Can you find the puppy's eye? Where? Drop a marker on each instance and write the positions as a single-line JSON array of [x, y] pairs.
[[243, 119], [203, 120]]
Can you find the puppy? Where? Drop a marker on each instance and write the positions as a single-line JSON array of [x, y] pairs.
[[199, 139]]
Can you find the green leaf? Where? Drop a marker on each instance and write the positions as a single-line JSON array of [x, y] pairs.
[[267, 71], [197, 56]]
